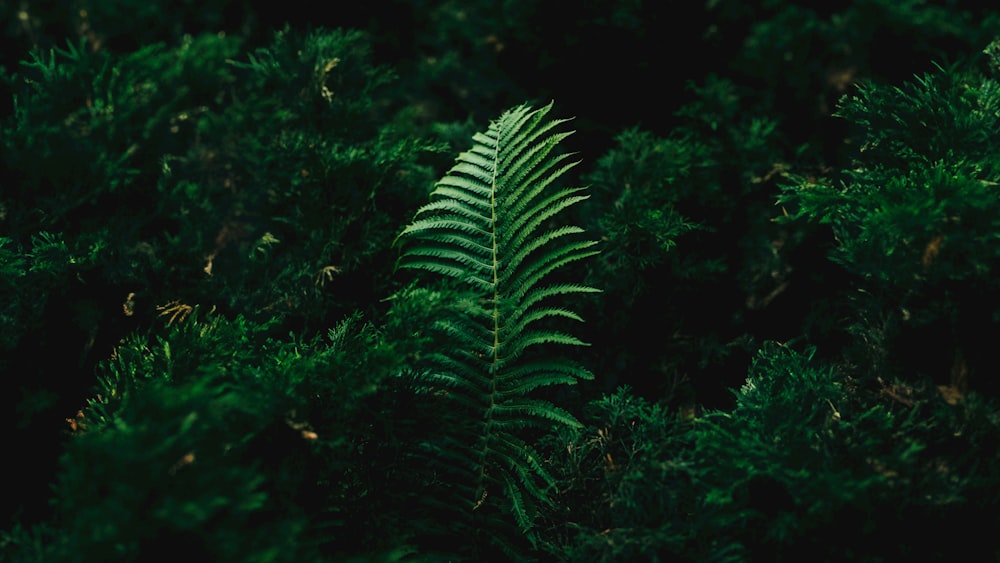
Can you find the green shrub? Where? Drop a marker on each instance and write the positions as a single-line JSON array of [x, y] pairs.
[[915, 218], [808, 464]]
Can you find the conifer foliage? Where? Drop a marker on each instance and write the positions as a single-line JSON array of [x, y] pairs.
[[254, 308]]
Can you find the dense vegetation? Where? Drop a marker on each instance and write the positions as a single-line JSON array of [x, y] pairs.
[[499, 281]]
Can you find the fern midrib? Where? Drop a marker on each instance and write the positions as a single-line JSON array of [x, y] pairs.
[[481, 486], [496, 276]]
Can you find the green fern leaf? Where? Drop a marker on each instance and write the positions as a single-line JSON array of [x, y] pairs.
[[489, 226]]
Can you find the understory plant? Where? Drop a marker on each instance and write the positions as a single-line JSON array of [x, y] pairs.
[[494, 229], [915, 221]]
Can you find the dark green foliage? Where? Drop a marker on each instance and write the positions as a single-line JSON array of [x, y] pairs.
[[643, 179], [915, 218], [802, 57], [813, 463], [627, 488], [226, 200], [207, 348], [141, 185], [807, 463], [188, 441], [666, 207], [916, 207]]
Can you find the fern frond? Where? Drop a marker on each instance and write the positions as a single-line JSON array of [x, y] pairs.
[[484, 227]]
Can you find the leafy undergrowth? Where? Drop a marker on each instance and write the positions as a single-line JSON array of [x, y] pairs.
[[207, 349]]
